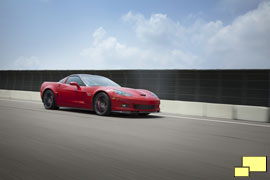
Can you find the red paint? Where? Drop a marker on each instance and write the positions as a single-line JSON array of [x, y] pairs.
[[68, 95]]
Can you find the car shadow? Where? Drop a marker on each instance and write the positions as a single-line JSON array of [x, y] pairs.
[[113, 114], [135, 116]]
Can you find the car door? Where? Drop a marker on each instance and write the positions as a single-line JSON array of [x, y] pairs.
[[67, 93], [83, 97]]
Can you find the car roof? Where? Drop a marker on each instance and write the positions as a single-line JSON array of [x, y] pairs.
[[84, 75]]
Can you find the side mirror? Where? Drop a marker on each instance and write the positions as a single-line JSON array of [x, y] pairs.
[[75, 84]]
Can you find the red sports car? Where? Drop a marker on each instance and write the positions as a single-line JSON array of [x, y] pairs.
[[99, 94]]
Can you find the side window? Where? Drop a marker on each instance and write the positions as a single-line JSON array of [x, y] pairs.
[[75, 79], [62, 80]]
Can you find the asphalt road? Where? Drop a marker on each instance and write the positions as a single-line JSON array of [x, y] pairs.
[[78, 145]]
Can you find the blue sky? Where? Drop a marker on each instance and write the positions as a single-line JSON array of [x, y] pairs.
[[125, 34]]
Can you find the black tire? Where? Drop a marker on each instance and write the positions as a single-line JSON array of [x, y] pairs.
[[49, 100], [143, 114], [102, 104]]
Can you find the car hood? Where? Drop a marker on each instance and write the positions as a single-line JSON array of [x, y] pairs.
[[134, 92]]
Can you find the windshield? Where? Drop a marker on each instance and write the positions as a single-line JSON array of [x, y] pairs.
[[92, 80]]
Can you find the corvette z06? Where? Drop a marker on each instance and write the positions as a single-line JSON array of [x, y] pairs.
[[99, 94]]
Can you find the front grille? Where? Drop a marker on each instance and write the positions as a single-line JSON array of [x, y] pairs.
[[140, 106]]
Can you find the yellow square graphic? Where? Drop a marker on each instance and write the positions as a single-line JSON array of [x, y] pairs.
[[241, 171], [255, 163]]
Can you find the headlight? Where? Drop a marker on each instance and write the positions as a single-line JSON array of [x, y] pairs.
[[122, 93], [154, 95]]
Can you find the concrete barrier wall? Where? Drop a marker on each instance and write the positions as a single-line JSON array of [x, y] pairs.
[[22, 95], [252, 113], [227, 111]]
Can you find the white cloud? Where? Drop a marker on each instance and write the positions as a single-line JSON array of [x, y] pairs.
[[164, 43], [98, 35], [110, 53], [157, 30], [23, 62], [245, 43], [107, 51]]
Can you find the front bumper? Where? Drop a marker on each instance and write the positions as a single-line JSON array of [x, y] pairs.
[[135, 105]]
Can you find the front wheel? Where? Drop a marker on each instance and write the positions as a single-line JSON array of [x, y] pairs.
[[49, 100], [102, 104]]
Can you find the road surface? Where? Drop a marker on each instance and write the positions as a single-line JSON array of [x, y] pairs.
[[66, 144]]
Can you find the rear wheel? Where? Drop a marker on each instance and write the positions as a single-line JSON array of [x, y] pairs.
[[49, 100], [102, 104]]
